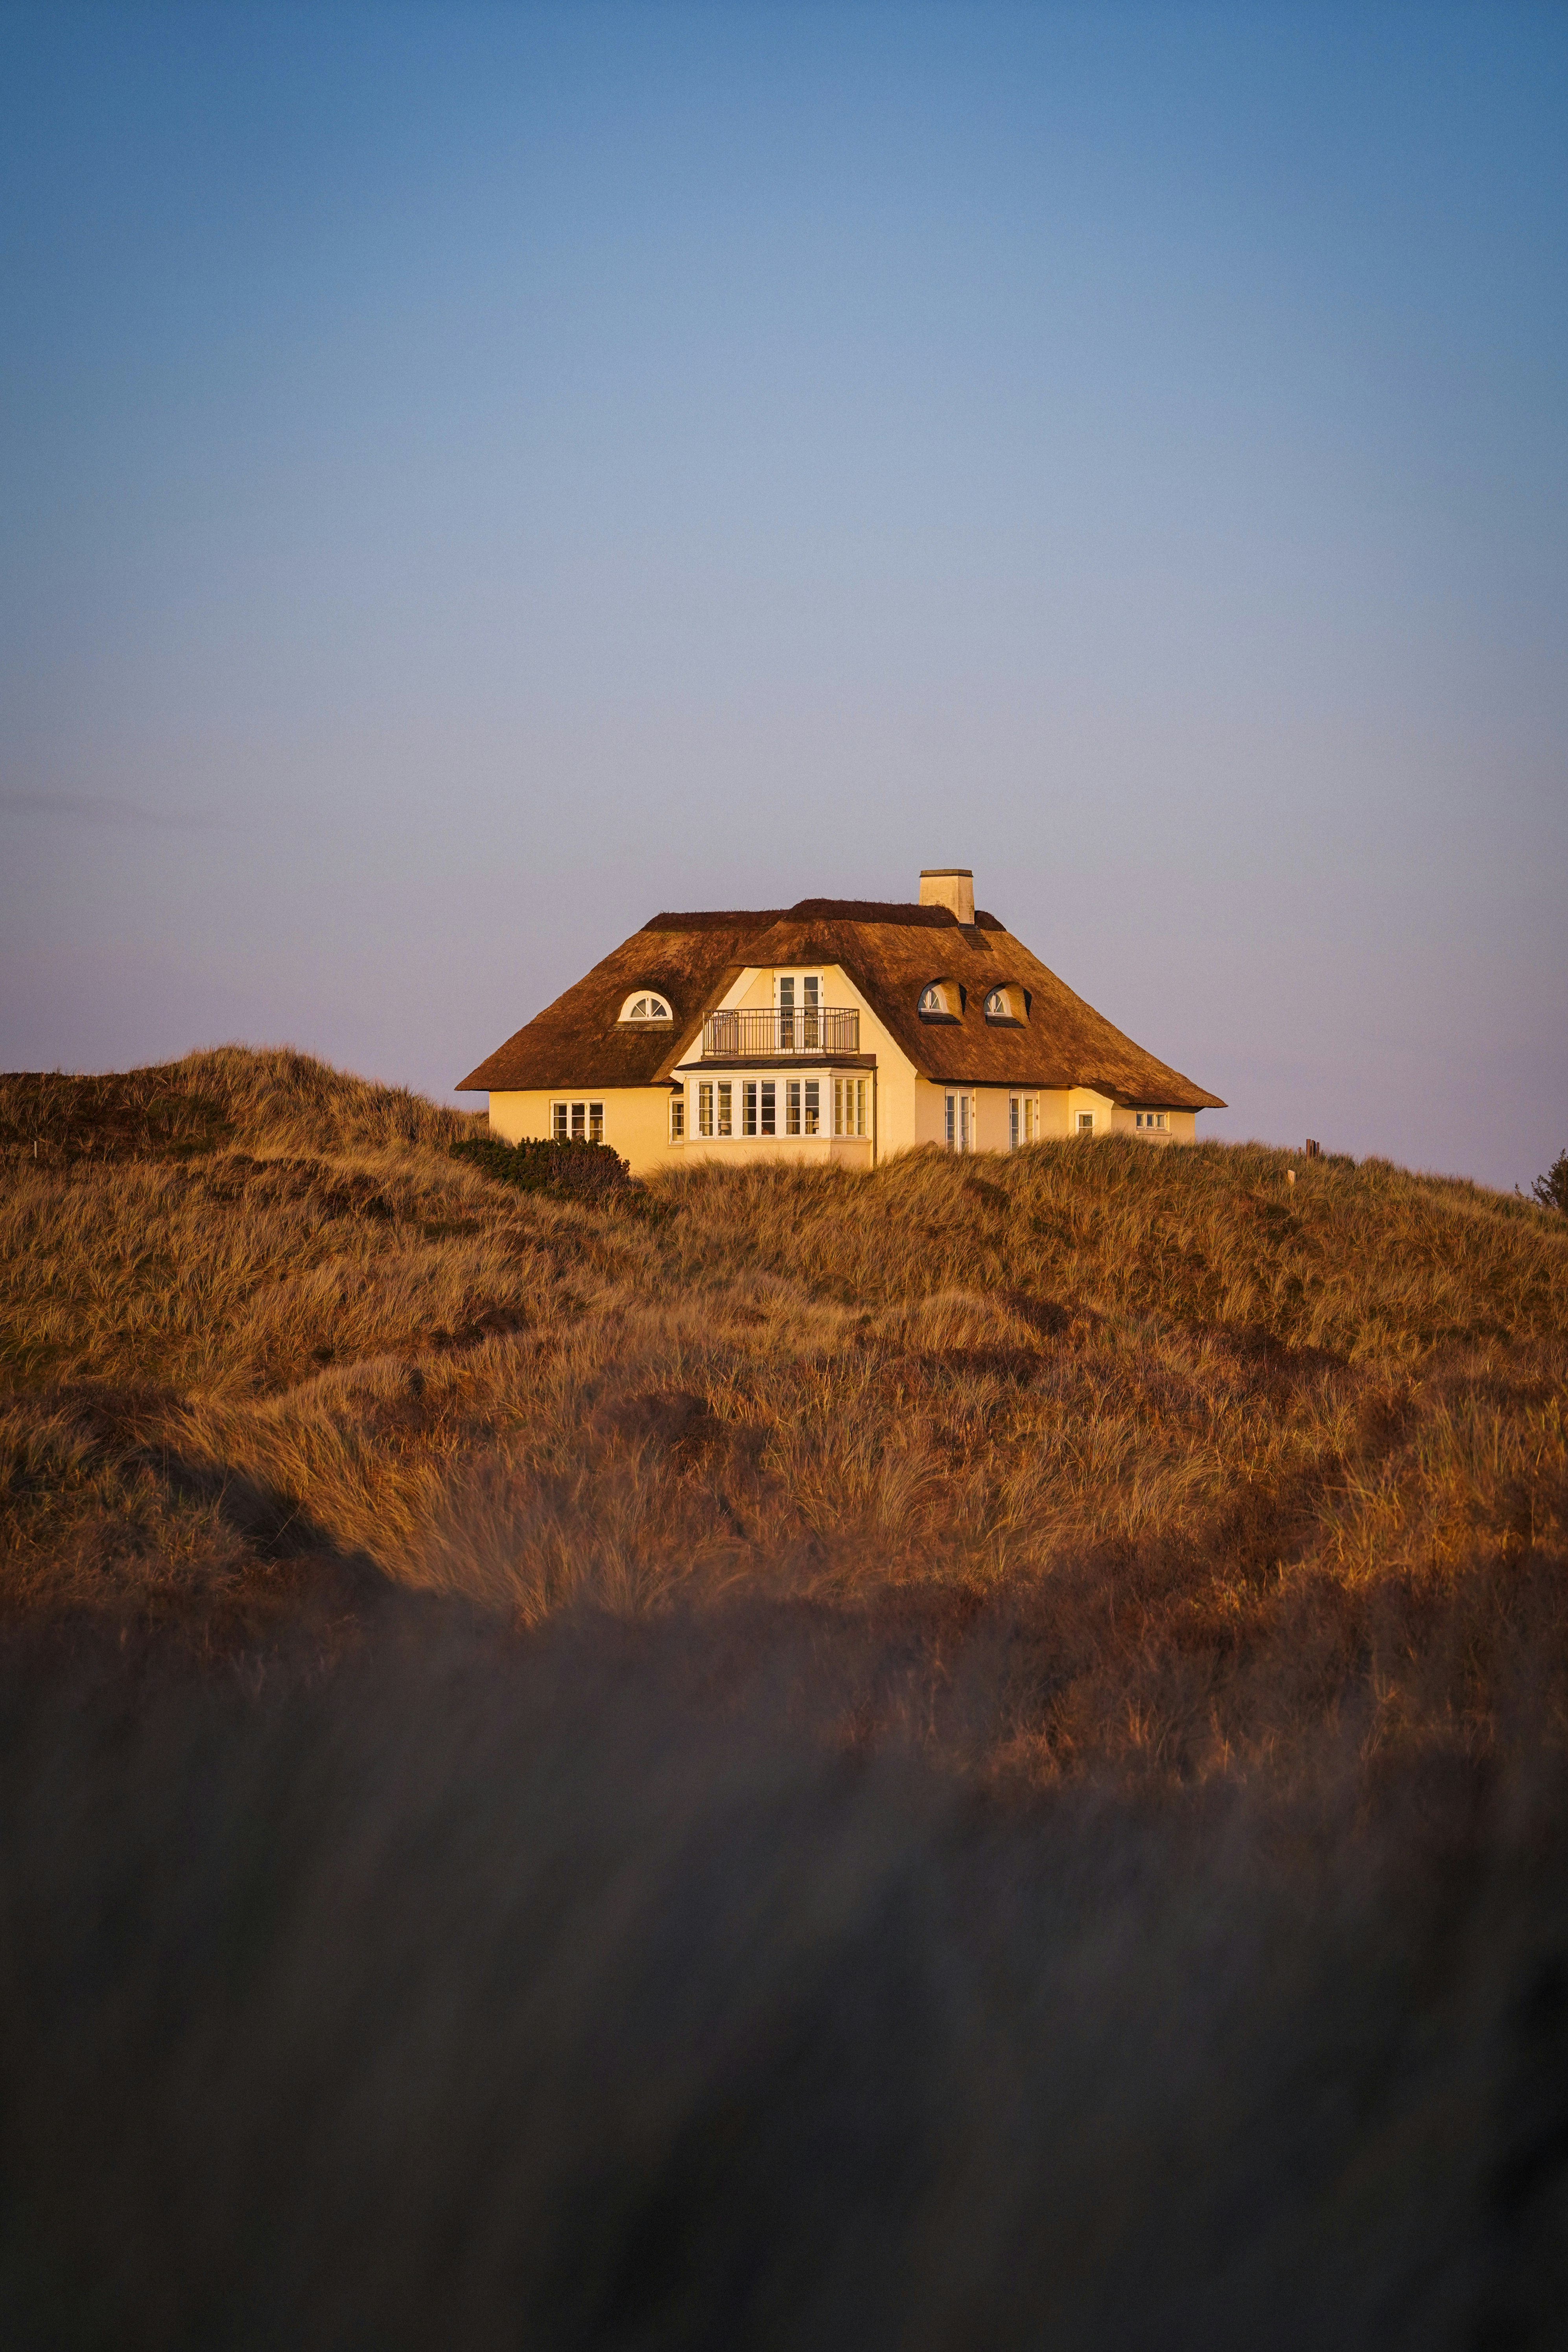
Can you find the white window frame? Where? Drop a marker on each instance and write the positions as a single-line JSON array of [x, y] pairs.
[[581, 1121], [1085, 1123], [805, 1000], [959, 1119], [663, 1018], [1152, 1122], [1023, 1122], [850, 1106], [678, 1118]]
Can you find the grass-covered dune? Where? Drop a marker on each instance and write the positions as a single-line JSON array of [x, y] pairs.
[[968, 1755], [1151, 1461]]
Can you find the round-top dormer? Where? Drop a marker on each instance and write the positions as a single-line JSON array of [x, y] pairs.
[[645, 1005], [941, 1000]]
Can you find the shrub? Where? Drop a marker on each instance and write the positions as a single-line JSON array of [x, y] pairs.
[[1551, 1189], [537, 1164]]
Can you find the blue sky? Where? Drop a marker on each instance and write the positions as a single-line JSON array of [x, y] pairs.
[[471, 478]]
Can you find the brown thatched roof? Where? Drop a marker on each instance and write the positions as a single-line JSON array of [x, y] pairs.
[[891, 953]]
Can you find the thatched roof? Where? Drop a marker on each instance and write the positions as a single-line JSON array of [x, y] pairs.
[[891, 953]]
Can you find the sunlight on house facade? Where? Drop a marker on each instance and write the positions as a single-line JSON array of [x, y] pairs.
[[837, 1030]]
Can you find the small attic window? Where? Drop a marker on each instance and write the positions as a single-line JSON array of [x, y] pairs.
[[1006, 1005], [940, 1000], [645, 1006]]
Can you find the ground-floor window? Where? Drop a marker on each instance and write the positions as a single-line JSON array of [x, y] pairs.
[[1150, 1118], [577, 1122], [715, 1114], [726, 1106], [849, 1105], [1086, 1122], [678, 1118], [803, 1105], [1023, 1120], [959, 1122]]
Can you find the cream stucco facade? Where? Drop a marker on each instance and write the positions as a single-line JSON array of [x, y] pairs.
[[790, 1107]]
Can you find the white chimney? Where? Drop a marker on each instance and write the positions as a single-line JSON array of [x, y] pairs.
[[949, 886]]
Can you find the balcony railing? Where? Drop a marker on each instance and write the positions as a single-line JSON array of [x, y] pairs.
[[750, 1034]]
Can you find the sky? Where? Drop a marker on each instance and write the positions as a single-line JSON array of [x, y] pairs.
[[471, 479]]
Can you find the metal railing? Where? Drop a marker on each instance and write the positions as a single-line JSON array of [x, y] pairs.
[[749, 1033]]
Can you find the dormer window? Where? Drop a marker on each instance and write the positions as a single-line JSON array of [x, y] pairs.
[[1007, 1004], [645, 1006], [940, 1000]]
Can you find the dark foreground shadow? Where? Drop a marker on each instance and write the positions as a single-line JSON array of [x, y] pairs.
[[532, 1995]]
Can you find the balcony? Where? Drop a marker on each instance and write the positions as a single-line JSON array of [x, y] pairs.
[[760, 1035]]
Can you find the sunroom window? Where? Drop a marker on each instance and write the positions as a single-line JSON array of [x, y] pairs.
[[849, 1105]]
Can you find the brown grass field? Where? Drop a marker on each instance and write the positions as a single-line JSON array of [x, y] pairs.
[[968, 1755]]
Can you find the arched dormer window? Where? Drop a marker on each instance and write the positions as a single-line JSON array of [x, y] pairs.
[[645, 1006], [940, 1000], [1007, 1004]]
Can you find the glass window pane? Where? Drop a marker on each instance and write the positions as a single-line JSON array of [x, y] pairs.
[[768, 1128], [724, 1091]]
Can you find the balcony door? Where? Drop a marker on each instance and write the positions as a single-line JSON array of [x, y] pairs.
[[800, 1013]]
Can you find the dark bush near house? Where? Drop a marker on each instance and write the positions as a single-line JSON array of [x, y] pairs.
[[538, 1164], [1551, 1189]]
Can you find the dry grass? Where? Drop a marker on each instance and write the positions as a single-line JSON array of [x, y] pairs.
[[1098, 1457], [625, 1942]]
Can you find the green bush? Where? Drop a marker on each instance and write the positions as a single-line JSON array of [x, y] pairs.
[[538, 1164], [1551, 1189]]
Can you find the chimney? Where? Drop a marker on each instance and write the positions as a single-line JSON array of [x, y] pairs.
[[949, 886]]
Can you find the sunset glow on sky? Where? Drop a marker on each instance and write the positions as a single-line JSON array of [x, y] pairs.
[[473, 478]]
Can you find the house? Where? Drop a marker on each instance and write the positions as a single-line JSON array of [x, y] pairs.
[[836, 1030]]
